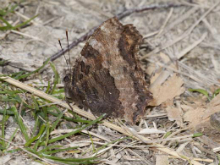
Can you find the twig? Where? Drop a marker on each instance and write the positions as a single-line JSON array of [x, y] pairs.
[[27, 18], [165, 22], [190, 47], [119, 16], [29, 36], [150, 7], [180, 19]]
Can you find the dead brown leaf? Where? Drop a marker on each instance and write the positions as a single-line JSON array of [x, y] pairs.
[[175, 113], [171, 88], [165, 86], [201, 115]]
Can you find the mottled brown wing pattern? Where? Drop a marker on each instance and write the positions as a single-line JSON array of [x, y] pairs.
[[108, 78]]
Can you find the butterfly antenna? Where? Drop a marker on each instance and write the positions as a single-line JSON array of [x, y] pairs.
[[68, 48], [62, 50]]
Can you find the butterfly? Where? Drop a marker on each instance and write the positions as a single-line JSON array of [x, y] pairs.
[[107, 78]]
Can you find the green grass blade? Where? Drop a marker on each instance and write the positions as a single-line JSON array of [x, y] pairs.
[[76, 131], [3, 123], [11, 138], [23, 76], [71, 160], [167, 135], [68, 118], [48, 128], [42, 129], [12, 151], [8, 112], [40, 140], [202, 91], [112, 142], [197, 135], [80, 161], [12, 9], [58, 120], [18, 74], [2, 12], [12, 99], [56, 77], [48, 87], [24, 23], [3, 28], [7, 23], [5, 11], [3, 62], [51, 147], [20, 123], [36, 124], [216, 93], [58, 150]]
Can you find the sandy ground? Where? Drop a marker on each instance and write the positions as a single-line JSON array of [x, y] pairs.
[[189, 35]]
